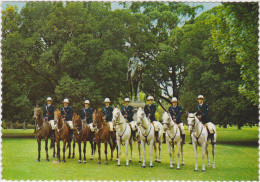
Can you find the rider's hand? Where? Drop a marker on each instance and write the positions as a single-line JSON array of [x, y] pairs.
[[173, 117], [46, 118], [125, 116], [175, 120]]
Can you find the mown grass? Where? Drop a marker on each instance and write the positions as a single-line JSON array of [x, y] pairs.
[[235, 160]]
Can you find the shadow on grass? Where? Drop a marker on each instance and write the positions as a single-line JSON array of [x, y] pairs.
[[251, 143]]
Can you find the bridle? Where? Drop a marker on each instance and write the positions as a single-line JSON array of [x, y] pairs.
[[81, 127], [194, 126], [37, 126], [145, 136], [169, 126]]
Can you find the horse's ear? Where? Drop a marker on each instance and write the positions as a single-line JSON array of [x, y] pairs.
[[187, 112], [195, 113]]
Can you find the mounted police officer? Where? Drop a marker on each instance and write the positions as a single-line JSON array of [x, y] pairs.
[[202, 113], [150, 109], [86, 114], [128, 113], [108, 113], [48, 114], [66, 112], [176, 110]]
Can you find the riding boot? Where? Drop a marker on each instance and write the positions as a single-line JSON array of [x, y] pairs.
[[183, 138], [190, 140], [164, 138]]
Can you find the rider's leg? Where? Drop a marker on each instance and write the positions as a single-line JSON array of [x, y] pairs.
[[182, 132]]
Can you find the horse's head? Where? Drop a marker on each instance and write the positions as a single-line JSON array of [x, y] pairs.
[[166, 120], [57, 115], [97, 118], [191, 120], [77, 121], [37, 112], [140, 116], [116, 115]]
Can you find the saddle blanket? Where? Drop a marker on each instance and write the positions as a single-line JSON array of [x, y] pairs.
[[53, 126], [91, 127]]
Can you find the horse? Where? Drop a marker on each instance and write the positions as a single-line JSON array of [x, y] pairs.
[[123, 134], [82, 134], [136, 78], [61, 133], [158, 140], [42, 131], [173, 136], [146, 130], [199, 136], [102, 134]]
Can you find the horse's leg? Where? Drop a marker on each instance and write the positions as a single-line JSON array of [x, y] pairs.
[[58, 149], [64, 148], [73, 154], [99, 157], [178, 155], [69, 145], [173, 153], [207, 153], [203, 146], [119, 152], [139, 149], [92, 150], [105, 142], [84, 151], [126, 152], [170, 153], [79, 144], [39, 149], [160, 149], [131, 148], [182, 154], [53, 141], [46, 148], [196, 156], [213, 153], [155, 150], [143, 146], [151, 153]]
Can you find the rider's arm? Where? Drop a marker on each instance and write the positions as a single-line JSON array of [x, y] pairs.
[[69, 114], [131, 113], [90, 114], [109, 114], [51, 113], [44, 112], [179, 113], [82, 114]]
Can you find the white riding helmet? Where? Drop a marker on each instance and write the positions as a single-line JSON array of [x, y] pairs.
[[66, 100], [127, 99], [49, 98], [200, 97], [174, 99], [107, 100], [86, 102], [150, 98]]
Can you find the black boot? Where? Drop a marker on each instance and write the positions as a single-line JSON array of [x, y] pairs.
[[164, 138], [183, 138], [190, 140]]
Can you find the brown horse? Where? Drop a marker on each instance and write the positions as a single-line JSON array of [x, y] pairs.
[[102, 134], [42, 131], [82, 134], [61, 133]]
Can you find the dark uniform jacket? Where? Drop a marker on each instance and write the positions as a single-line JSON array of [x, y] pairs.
[[108, 112], [149, 111], [203, 110], [87, 114], [176, 111], [67, 113], [129, 111], [48, 111]]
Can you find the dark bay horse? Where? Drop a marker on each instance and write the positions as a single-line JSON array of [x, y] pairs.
[[42, 131], [83, 134], [102, 134], [61, 133]]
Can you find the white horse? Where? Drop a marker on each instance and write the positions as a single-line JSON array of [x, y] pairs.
[[146, 134], [173, 136], [123, 134], [199, 135], [158, 127]]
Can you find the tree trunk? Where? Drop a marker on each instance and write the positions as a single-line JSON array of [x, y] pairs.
[[225, 125], [239, 126], [11, 125], [24, 125]]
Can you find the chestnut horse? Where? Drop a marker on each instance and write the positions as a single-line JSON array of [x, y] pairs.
[[61, 133], [102, 134], [42, 131], [83, 134]]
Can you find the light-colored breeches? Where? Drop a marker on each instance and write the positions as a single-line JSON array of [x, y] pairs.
[[70, 123], [53, 126], [181, 126], [210, 127], [91, 127], [111, 127]]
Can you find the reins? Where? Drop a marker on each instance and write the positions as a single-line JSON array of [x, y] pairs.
[[147, 134]]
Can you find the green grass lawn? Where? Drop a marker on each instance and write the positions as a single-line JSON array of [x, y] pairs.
[[235, 160]]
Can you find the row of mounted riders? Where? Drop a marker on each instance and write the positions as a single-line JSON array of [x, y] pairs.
[[120, 131]]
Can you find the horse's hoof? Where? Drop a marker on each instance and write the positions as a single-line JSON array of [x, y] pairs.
[[203, 170], [68, 157], [143, 166], [171, 167], [213, 167], [58, 160], [159, 161], [208, 165], [63, 161], [195, 170], [84, 162], [178, 168], [105, 163], [151, 166], [99, 162], [79, 161], [155, 161], [73, 157], [38, 160], [111, 159], [183, 164], [140, 161], [53, 156], [47, 160], [118, 165], [130, 160], [126, 165], [91, 158]]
